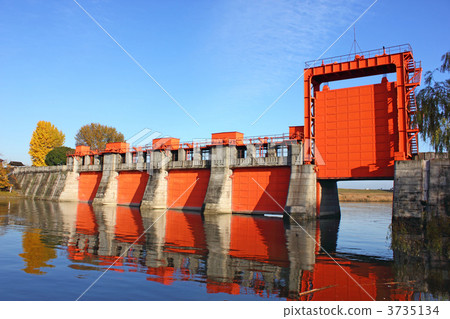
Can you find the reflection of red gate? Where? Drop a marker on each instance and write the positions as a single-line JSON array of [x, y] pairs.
[[86, 221], [185, 233], [129, 225], [184, 190], [131, 187], [259, 238], [344, 279], [249, 185], [88, 185]]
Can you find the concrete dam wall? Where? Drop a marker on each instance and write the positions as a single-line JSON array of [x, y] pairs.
[[227, 180], [224, 181], [49, 183]]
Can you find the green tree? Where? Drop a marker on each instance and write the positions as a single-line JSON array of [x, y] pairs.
[[45, 137], [96, 136], [433, 108], [58, 155]]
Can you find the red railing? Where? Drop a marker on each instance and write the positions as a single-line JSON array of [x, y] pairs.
[[202, 143], [363, 54]]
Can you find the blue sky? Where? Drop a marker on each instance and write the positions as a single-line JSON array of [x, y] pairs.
[[223, 61]]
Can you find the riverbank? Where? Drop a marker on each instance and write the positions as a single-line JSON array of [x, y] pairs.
[[345, 195], [8, 195], [364, 195]]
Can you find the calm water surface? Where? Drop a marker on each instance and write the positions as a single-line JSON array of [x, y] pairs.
[[55, 251]]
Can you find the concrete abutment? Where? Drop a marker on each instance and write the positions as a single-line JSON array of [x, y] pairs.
[[422, 189]]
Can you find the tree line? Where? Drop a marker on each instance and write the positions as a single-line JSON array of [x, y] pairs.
[[46, 145]]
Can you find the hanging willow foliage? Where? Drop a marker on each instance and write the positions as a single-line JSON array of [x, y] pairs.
[[433, 108]]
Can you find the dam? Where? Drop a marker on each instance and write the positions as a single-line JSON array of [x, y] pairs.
[[357, 133]]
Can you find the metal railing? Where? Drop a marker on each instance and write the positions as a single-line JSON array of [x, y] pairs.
[[203, 143], [363, 54]]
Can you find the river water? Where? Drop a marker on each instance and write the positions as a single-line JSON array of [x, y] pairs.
[[58, 251]]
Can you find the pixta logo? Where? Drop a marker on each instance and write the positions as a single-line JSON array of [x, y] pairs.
[[144, 139]]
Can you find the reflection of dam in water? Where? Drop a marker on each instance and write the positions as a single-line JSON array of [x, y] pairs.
[[232, 254]]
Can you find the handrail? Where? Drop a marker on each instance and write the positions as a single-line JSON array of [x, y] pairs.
[[203, 143], [363, 54]]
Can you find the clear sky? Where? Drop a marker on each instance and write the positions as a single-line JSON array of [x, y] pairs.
[[224, 61]]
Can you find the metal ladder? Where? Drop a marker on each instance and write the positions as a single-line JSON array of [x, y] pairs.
[[413, 74]]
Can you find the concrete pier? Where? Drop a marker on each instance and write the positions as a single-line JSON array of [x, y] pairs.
[[329, 199], [218, 195], [301, 200], [69, 184], [107, 190], [155, 195]]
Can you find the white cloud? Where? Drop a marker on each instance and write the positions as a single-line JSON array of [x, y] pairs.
[[272, 38]]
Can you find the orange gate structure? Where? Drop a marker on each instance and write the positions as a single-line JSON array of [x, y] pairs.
[[252, 185], [358, 132], [88, 185], [131, 187], [187, 188]]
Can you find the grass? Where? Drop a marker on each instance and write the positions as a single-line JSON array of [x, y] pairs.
[[7, 194], [364, 195]]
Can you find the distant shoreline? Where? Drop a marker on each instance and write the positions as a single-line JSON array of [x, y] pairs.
[[365, 195], [345, 195]]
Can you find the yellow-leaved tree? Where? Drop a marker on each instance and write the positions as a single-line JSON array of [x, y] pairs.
[[45, 137], [4, 180]]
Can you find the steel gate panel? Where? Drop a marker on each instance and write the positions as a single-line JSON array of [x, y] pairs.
[[87, 185], [187, 188], [251, 184], [131, 187], [356, 131]]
